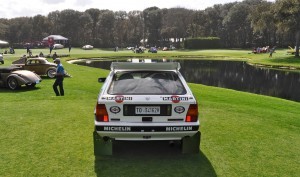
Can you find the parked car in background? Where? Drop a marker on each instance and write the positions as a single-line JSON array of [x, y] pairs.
[[165, 49], [1, 59], [15, 77], [58, 46], [168, 48], [291, 50], [153, 50], [87, 47], [40, 66], [140, 49]]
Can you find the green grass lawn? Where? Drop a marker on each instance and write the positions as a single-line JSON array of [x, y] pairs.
[[243, 134]]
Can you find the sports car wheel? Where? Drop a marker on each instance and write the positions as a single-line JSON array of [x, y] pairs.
[[51, 73], [12, 83]]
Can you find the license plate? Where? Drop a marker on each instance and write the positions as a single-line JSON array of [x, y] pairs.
[[147, 110]]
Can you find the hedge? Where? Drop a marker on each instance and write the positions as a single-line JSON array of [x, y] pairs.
[[202, 43]]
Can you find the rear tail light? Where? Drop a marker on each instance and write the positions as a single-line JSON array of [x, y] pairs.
[[192, 114], [101, 113]]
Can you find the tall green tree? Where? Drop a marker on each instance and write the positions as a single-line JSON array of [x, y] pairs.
[[120, 29], [263, 24], [70, 25], [238, 25], [213, 22], [54, 23], [4, 25], [174, 23], [135, 28], [20, 30], [196, 27], [94, 26], [106, 28], [40, 26], [287, 15], [153, 24], [86, 31]]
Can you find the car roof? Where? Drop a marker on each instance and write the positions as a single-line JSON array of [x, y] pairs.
[[37, 58], [145, 66], [41, 59], [8, 69]]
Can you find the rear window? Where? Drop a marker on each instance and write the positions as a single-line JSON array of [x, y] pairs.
[[146, 83]]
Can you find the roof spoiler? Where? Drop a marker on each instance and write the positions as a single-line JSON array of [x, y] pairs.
[[145, 66]]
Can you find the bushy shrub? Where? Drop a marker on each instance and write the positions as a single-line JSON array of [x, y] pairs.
[[202, 43]]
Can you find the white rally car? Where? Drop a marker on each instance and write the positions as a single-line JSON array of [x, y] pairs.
[[145, 101]]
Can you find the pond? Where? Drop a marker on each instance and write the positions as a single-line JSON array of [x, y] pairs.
[[233, 75]]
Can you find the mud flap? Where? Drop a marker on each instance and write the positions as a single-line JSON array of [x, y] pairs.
[[102, 147], [191, 144]]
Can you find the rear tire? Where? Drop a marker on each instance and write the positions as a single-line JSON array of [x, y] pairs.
[[12, 83], [191, 145], [51, 73], [101, 146]]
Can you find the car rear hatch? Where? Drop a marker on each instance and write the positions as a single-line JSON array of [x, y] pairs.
[[149, 108]]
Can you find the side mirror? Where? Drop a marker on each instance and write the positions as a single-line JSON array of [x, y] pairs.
[[101, 79]]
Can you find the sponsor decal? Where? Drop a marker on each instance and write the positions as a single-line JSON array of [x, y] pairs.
[[117, 129], [175, 99], [179, 109], [119, 98], [175, 129], [147, 128], [115, 109]]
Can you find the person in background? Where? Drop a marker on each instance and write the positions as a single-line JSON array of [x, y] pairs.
[[272, 51], [60, 72], [54, 56], [51, 48], [11, 50], [24, 59], [30, 53], [70, 47]]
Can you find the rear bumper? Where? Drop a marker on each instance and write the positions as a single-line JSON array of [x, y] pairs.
[[141, 133]]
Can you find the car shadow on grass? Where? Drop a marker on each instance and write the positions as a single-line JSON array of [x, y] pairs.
[[18, 90], [152, 158]]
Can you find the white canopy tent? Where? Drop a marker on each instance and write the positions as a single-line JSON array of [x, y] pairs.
[[3, 42], [57, 38]]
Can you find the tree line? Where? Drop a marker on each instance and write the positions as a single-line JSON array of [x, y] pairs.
[[246, 24]]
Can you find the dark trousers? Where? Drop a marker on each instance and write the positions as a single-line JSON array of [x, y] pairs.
[[59, 82]]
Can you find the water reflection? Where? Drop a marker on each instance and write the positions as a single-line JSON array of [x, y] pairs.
[[234, 75], [243, 77]]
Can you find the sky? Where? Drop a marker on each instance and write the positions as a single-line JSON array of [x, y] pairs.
[[29, 8]]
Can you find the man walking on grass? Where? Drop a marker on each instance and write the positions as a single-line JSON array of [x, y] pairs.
[[59, 75]]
